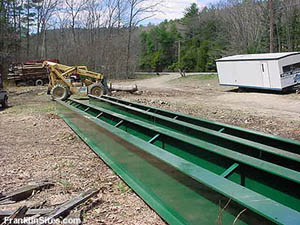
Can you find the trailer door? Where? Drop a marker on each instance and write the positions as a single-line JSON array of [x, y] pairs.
[[265, 74]]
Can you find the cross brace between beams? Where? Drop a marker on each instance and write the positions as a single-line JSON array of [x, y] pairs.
[[153, 139], [221, 130], [100, 114], [230, 170], [118, 124]]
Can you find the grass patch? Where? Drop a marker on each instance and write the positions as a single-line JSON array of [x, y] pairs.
[[199, 77], [31, 108], [29, 100], [66, 184], [144, 76], [123, 188], [65, 165]]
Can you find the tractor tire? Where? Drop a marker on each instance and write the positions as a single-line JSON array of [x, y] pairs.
[[106, 89], [39, 82], [97, 89], [60, 92], [5, 102]]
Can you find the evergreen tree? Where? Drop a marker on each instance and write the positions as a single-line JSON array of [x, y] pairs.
[[158, 50]]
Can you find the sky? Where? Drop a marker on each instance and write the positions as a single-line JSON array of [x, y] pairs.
[[174, 9]]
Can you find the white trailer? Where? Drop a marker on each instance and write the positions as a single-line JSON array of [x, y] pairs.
[[274, 71]]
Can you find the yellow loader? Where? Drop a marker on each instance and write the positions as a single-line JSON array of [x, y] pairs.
[[67, 80]]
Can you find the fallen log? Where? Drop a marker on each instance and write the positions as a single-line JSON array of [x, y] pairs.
[[130, 88]]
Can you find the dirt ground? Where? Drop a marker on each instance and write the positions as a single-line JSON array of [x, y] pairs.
[[35, 144]]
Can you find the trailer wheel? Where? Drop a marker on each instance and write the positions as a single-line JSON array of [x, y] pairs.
[[20, 84], [30, 83], [59, 92], [39, 82], [97, 89], [5, 102]]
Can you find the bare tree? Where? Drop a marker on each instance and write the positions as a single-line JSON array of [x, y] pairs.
[[139, 10], [45, 10], [289, 11], [93, 21], [243, 23], [94, 13], [121, 9], [271, 9], [59, 38], [111, 8], [28, 26], [73, 9]]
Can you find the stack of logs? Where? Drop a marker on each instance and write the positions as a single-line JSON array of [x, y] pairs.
[[32, 69]]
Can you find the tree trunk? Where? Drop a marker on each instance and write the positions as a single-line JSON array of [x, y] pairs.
[[44, 45], [129, 40], [271, 8], [131, 88], [27, 33], [38, 38]]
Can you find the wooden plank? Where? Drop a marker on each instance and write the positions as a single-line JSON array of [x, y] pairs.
[[24, 192], [69, 205], [29, 212], [19, 213]]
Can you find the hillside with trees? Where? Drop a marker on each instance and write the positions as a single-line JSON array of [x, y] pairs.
[[107, 35], [229, 27]]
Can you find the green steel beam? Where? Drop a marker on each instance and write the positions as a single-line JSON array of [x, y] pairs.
[[86, 125], [185, 127], [275, 141], [262, 182], [259, 164]]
